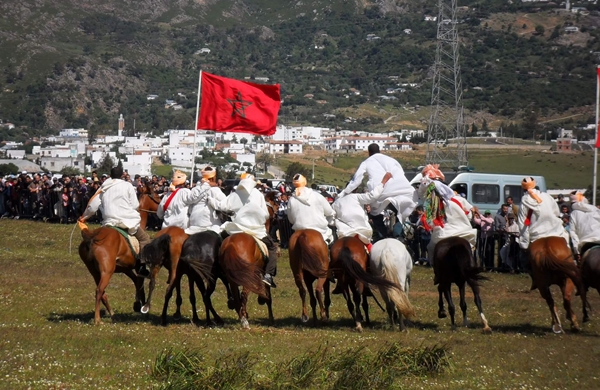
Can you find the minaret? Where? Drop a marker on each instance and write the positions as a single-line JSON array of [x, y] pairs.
[[568, 6], [121, 125]]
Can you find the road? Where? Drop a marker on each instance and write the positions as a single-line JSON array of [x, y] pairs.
[[276, 172]]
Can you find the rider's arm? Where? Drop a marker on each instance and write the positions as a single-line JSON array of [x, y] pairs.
[[356, 179]]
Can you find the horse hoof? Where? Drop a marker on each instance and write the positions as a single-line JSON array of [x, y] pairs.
[[465, 323], [145, 309], [586, 319], [177, 316], [442, 314], [304, 318], [487, 330], [137, 307], [245, 324], [230, 304], [359, 328], [262, 301], [557, 329]]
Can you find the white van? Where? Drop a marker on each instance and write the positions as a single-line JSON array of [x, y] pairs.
[[490, 190]]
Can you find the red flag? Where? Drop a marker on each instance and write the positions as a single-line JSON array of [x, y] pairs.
[[238, 106]]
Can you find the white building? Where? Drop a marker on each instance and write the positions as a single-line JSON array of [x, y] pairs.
[[139, 164], [15, 153], [285, 147], [56, 164], [66, 133]]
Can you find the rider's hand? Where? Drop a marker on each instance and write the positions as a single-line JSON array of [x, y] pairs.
[[172, 187], [386, 177]]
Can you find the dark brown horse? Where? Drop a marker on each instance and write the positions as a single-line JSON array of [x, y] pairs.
[[165, 251], [309, 260], [551, 262], [453, 263], [590, 268], [149, 202], [243, 263], [349, 264], [195, 256], [105, 251]]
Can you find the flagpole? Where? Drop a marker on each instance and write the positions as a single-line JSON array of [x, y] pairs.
[[195, 128], [594, 185]]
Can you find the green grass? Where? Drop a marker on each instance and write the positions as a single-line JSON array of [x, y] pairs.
[[48, 339]]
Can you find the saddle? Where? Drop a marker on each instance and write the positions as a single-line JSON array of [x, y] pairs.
[[263, 248], [133, 242]]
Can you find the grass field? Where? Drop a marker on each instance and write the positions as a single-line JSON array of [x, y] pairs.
[[48, 340]]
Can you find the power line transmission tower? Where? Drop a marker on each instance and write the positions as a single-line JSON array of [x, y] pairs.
[[446, 142]]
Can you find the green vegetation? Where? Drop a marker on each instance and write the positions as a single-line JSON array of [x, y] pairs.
[[95, 63], [49, 340]]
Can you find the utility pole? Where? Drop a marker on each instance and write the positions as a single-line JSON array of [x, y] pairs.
[[446, 120]]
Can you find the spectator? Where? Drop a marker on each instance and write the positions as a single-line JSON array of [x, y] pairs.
[[486, 242], [560, 201], [500, 221], [510, 251]]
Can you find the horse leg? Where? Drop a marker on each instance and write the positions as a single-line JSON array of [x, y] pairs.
[[179, 298], [567, 291], [441, 310], [349, 303], [191, 281], [210, 289], [139, 291], [365, 306], [463, 304], [547, 295], [243, 312], [299, 280], [168, 295], [477, 298], [447, 288], [327, 298], [151, 285], [358, 318], [270, 307], [101, 296], [319, 290], [313, 299]]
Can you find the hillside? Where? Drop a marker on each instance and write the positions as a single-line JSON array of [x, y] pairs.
[[70, 63]]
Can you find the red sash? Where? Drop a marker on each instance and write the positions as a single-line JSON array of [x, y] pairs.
[[166, 206], [459, 205], [527, 221]]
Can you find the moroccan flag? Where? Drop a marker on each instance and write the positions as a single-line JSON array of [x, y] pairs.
[[238, 106]]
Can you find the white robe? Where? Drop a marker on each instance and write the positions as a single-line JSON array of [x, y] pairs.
[[545, 221], [177, 212], [457, 222], [583, 228], [587, 208], [310, 210], [397, 190], [118, 203], [350, 216], [202, 216], [250, 210]]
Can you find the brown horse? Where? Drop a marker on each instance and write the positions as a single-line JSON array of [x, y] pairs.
[[590, 268], [165, 251], [104, 252], [149, 202], [243, 262], [453, 263], [349, 264], [309, 260], [551, 262], [273, 208]]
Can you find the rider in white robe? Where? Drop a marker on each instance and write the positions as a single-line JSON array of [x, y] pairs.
[[457, 209], [202, 216], [538, 216], [584, 226], [173, 208], [350, 216], [250, 215], [308, 209]]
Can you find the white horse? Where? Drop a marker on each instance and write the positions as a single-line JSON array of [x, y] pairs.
[[391, 260]]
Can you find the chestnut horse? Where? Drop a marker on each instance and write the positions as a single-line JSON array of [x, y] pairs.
[[104, 251], [453, 263], [551, 262], [165, 251], [590, 268], [243, 263], [309, 260], [149, 202], [391, 260], [349, 264]]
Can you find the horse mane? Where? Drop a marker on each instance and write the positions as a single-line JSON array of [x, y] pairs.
[[270, 196], [310, 257], [239, 271]]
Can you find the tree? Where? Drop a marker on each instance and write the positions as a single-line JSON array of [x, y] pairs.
[[70, 171], [243, 141], [485, 128], [105, 165], [540, 30], [295, 168], [8, 169], [265, 159]]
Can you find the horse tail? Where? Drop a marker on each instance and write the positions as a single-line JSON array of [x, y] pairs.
[[471, 274], [568, 267], [243, 273], [358, 273], [390, 271], [202, 268], [309, 257]]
